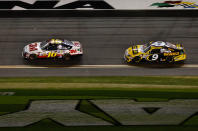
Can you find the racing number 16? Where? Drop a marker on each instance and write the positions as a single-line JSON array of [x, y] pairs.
[[154, 57], [51, 54]]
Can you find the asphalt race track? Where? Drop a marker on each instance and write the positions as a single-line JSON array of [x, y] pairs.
[[104, 41]]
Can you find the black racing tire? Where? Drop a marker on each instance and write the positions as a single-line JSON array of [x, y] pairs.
[[66, 57], [180, 62], [170, 60], [137, 59], [32, 57]]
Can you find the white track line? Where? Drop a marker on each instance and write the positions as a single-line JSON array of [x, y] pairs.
[[82, 66], [190, 66]]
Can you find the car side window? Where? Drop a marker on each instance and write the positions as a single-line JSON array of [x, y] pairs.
[[155, 51], [147, 49], [51, 47], [67, 46]]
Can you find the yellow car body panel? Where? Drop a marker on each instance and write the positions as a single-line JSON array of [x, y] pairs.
[[133, 51]]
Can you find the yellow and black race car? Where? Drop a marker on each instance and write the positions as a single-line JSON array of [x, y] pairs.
[[157, 52]]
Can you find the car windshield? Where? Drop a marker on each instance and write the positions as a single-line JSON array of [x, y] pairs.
[[65, 44], [146, 47], [43, 44], [168, 44]]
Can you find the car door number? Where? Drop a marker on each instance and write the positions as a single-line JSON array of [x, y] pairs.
[[52, 54], [154, 57]]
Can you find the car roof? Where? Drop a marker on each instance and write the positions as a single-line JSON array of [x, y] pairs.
[[163, 44], [59, 41]]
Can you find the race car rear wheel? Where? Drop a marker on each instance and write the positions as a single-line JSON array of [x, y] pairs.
[[170, 60], [32, 57], [67, 57]]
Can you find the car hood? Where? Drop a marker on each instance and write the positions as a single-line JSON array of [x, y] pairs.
[[135, 50], [32, 48]]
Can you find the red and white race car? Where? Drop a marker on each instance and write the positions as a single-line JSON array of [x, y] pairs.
[[53, 48]]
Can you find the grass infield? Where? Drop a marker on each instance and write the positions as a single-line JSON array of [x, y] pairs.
[[86, 88]]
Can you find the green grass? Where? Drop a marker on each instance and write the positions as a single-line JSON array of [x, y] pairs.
[[114, 79], [44, 125], [22, 97]]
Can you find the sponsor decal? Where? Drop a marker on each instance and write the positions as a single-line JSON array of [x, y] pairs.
[[32, 47], [77, 44], [184, 4], [135, 50], [171, 54], [55, 4], [7, 93], [121, 111], [61, 111], [42, 55], [93, 4], [73, 51]]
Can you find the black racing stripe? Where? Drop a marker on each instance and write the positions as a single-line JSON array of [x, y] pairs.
[[132, 49], [135, 50]]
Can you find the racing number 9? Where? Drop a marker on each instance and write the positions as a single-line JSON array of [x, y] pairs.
[[154, 57]]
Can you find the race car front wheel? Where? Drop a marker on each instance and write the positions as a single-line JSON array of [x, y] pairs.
[[136, 59], [169, 60], [32, 57]]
